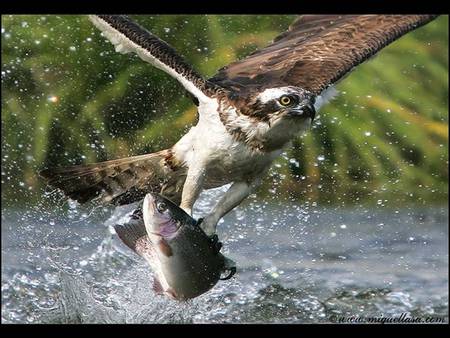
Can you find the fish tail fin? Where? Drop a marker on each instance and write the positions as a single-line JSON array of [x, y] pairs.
[[134, 235]]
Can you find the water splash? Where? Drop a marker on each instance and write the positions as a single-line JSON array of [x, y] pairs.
[[289, 269]]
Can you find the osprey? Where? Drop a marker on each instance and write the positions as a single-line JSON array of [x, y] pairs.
[[248, 112]]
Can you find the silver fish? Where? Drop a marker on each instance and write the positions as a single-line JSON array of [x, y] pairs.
[[186, 262]]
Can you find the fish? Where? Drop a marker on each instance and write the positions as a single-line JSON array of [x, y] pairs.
[[186, 262]]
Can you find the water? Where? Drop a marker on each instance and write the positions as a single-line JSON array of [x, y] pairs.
[[66, 265]]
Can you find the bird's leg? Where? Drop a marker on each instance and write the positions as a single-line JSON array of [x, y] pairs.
[[232, 198], [192, 187]]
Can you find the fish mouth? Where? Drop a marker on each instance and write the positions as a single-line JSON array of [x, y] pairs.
[[150, 203]]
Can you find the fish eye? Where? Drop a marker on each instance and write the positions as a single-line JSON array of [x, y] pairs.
[[161, 206], [285, 100]]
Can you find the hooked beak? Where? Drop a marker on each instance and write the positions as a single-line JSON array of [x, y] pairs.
[[306, 110]]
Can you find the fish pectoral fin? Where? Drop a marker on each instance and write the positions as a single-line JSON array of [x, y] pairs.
[[165, 248], [134, 235], [157, 287], [172, 294]]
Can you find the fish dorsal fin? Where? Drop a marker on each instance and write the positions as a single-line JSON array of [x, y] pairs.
[[134, 235]]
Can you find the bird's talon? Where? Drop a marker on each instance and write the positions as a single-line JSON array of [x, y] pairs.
[[215, 243], [232, 271]]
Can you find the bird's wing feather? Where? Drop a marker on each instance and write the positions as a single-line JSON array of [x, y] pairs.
[[128, 36], [318, 50]]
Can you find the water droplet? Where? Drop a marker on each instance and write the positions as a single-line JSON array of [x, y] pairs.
[[53, 99]]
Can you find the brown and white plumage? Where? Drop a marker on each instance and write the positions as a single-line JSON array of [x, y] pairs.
[[248, 111], [318, 50], [121, 181], [127, 36]]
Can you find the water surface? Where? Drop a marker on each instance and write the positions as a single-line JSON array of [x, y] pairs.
[[295, 265]]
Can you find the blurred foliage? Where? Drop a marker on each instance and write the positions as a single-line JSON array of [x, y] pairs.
[[68, 98]]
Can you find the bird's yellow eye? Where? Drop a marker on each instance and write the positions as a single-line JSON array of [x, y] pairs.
[[285, 100]]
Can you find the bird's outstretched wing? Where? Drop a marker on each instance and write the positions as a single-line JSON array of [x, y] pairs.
[[127, 36], [318, 50]]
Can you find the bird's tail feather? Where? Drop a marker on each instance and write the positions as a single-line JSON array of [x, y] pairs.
[[121, 181]]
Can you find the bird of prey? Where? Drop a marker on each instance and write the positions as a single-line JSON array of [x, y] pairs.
[[247, 113]]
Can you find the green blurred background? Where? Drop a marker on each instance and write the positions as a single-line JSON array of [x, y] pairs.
[[69, 98]]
